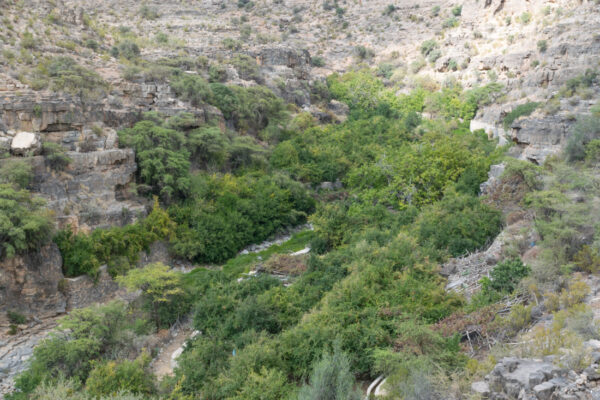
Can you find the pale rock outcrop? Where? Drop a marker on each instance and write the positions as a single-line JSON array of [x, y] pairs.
[[25, 143]]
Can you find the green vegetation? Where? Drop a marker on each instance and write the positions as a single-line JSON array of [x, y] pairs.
[[583, 140], [55, 156], [525, 18], [331, 379], [63, 73], [317, 61], [25, 223], [430, 50], [364, 301], [119, 248], [83, 339], [521, 110], [161, 292], [504, 277], [16, 318]]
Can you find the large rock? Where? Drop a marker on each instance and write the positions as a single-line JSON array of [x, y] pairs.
[[29, 284], [84, 291], [25, 143], [92, 191]]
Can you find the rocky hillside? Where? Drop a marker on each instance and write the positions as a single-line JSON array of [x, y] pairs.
[[75, 76]]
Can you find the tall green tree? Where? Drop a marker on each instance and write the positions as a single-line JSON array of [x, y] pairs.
[[162, 290]]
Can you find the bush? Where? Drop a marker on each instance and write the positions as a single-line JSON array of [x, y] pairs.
[[592, 151], [16, 172], [246, 67], [55, 156], [16, 318], [317, 61], [232, 44], [192, 88], [28, 41], [428, 46], [64, 74], [118, 247], [127, 49], [389, 10], [148, 12], [451, 22], [458, 223], [525, 18], [542, 46], [363, 52], [521, 110], [25, 223], [586, 130], [83, 336], [162, 291], [331, 379], [587, 259], [162, 156], [505, 276], [457, 11], [128, 376]]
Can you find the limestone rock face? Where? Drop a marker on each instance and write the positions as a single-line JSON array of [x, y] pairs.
[[29, 283], [92, 191], [83, 291]]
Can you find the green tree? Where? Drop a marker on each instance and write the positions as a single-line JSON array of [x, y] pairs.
[[17, 172], [162, 156], [162, 290]]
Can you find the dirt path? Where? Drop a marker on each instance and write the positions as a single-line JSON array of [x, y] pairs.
[[162, 364]]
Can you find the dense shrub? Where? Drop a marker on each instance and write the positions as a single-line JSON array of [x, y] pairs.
[[246, 67], [586, 130], [331, 379], [459, 223], [236, 212], [317, 61], [192, 88], [65, 74], [505, 276], [162, 156], [82, 337], [16, 172], [117, 247], [111, 377], [162, 291], [25, 223], [55, 156], [521, 110]]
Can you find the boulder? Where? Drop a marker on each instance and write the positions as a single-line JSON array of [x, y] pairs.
[[543, 391], [25, 143], [481, 388]]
